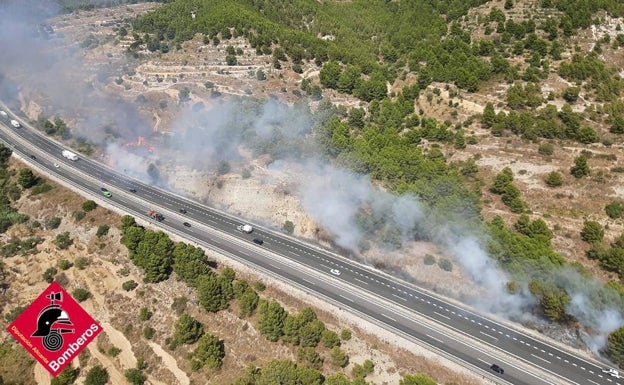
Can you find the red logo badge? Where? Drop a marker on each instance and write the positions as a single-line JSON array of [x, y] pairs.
[[54, 329]]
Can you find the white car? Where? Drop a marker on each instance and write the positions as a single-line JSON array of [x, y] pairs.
[[334, 271], [57, 165], [612, 372]]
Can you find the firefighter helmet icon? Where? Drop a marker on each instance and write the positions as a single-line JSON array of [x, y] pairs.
[[52, 322]]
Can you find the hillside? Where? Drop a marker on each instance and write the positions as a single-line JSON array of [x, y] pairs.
[[421, 127]]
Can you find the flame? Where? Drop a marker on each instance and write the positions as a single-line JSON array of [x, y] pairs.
[[141, 142]]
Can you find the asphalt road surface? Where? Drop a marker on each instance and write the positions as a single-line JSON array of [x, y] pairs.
[[472, 339]]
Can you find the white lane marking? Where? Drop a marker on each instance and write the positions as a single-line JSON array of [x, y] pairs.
[[433, 338], [348, 299], [388, 317], [540, 358], [488, 335], [359, 280], [593, 381], [485, 362], [310, 282], [442, 315], [399, 297]]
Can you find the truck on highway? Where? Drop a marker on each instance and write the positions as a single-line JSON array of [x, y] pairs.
[[69, 155], [245, 228], [155, 215], [4, 115], [15, 123]]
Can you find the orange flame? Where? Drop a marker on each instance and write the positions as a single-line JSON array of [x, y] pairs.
[[141, 142]]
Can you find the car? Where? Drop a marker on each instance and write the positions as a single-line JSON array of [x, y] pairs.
[[497, 369], [33, 157], [183, 211], [612, 372], [258, 241], [103, 189], [186, 224], [132, 190], [334, 271], [107, 194], [57, 165]]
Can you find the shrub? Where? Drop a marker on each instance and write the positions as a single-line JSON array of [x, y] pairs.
[[79, 215], [89, 206], [289, 227], [114, 351], [64, 264], [53, 223], [135, 377], [102, 231], [148, 332], [81, 294], [445, 264], [49, 274], [145, 314], [546, 149], [429, 260], [40, 189], [63, 241], [345, 334], [129, 285], [259, 286], [81, 262], [615, 210], [339, 357], [246, 174], [592, 232], [97, 376], [554, 179], [223, 168]]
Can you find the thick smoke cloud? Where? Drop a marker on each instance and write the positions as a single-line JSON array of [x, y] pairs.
[[347, 205]]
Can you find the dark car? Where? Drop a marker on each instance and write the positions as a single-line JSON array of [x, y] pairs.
[[183, 211], [258, 241], [497, 369], [103, 189], [186, 224], [132, 190], [33, 157]]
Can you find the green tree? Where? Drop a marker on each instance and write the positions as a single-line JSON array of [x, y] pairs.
[[210, 351], [339, 357], [184, 95], [571, 94], [489, 115], [223, 167], [271, 322], [330, 74], [309, 357], [97, 376], [66, 377], [102, 231], [417, 379], [502, 180], [26, 178], [187, 329], [89, 205], [212, 292], [129, 285], [615, 209], [189, 262], [145, 314], [289, 227], [248, 302], [580, 168], [49, 274], [554, 179], [330, 339], [81, 294], [592, 232], [63, 240], [338, 378], [615, 346], [135, 376]]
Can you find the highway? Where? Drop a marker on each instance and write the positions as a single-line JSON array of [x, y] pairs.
[[474, 340]]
